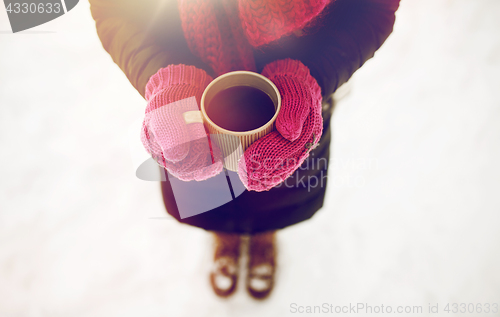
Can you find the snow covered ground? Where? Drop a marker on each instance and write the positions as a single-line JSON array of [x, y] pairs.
[[412, 215]]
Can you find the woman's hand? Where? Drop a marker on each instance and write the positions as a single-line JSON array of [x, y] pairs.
[[274, 157], [183, 149]]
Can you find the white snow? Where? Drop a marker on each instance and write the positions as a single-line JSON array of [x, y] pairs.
[[412, 214]]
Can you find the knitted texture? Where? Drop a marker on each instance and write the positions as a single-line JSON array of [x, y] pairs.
[[213, 32], [183, 149], [267, 20], [276, 156]]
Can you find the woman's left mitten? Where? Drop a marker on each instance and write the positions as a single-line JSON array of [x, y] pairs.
[[276, 156]]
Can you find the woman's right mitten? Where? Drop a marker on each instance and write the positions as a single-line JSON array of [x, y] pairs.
[[184, 149]]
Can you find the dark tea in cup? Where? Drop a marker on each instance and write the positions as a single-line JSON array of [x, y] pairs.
[[241, 108]]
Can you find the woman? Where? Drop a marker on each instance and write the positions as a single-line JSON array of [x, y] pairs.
[[170, 50]]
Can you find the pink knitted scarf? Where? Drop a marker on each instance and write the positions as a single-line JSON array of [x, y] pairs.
[[223, 32]]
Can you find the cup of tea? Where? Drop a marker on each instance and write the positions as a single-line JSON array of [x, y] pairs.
[[238, 108]]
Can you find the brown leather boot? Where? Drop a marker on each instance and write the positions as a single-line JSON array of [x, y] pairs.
[[224, 276], [261, 264]]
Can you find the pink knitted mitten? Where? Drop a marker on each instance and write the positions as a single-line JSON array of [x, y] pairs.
[[183, 149], [271, 159]]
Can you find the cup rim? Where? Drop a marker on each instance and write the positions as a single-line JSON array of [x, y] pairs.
[[241, 133]]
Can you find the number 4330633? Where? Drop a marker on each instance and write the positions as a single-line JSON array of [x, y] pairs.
[[25, 7], [471, 308]]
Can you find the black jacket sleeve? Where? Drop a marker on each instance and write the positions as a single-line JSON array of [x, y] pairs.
[[142, 37], [345, 37]]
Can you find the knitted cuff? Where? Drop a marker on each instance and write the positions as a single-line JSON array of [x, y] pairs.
[[176, 75], [293, 68]]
